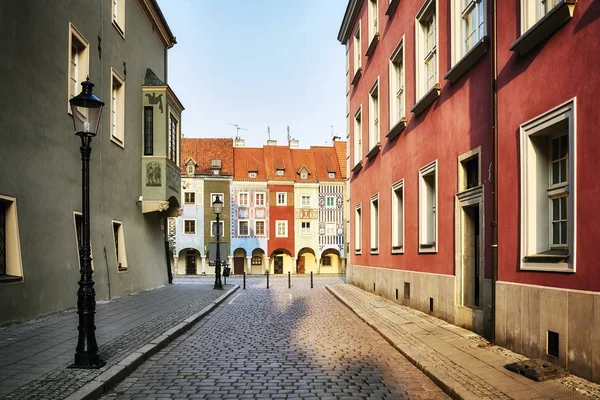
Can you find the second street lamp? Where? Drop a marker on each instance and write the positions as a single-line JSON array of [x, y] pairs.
[[218, 207], [86, 110]]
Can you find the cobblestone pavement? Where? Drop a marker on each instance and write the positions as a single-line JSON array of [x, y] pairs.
[[278, 343], [34, 356]]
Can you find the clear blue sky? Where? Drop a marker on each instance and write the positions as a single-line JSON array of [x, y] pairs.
[[257, 64]]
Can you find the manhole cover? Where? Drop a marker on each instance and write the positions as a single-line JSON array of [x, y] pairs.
[[538, 370]]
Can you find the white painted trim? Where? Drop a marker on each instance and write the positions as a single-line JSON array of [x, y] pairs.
[[399, 185], [374, 226], [195, 226], [432, 167], [397, 54], [14, 261]]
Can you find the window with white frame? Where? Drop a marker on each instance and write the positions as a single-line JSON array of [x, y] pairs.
[[117, 108], [189, 226], [374, 224], [330, 229], [191, 169], [397, 103], [281, 198], [548, 190], [330, 201], [428, 208], [120, 249], [118, 15], [251, 174], [243, 228], [243, 199], [213, 197], [303, 175], [398, 216], [11, 268], [259, 199], [358, 136], [358, 229], [281, 229], [534, 10], [426, 49], [279, 172], [468, 26], [305, 201], [372, 11], [189, 197], [213, 228], [173, 139], [78, 62], [305, 228], [356, 49], [259, 228], [374, 115], [331, 175]]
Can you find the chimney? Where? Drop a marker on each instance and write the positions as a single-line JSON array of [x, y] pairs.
[[239, 142], [294, 143], [271, 142]]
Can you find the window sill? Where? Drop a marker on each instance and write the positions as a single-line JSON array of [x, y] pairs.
[[358, 252], [392, 8], [10, 279], [357, 166], [122, 270], [373, 152], [396, 129], [427, 248], [548, 257], [117, 141], [397, 249], [357, 75], [372, 45], [546, 26], [375, 251], [427, 99], [468, 60], [118, 28]]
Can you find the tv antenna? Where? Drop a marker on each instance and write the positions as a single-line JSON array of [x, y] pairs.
[[269, 132], [288, 133], [237, 130]]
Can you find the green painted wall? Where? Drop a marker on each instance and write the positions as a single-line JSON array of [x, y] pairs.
[[216, 185]]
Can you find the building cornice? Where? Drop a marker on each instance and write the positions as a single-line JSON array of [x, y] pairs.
[[350, 16], [158, 22]]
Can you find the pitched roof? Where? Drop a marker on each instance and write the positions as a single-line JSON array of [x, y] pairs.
[[204, 150], [303, 158], [278, 157], [249, 159], [326, 161], [340, 149]]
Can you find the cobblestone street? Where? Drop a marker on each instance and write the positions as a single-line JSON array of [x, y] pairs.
[[278, 343]]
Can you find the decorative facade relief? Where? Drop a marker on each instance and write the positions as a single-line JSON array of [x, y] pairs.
[[153, 174]]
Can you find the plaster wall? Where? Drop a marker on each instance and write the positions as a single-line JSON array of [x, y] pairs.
[[191, 211], [310, 240], [214, 186], [282, 213]]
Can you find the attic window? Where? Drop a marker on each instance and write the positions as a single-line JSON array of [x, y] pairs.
[[332, 175], [191, 168], [279, 172], [303, 175], [215, 164], [251, 174]]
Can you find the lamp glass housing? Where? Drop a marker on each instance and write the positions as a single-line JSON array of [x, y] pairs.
[[86, 110], [217, 205]]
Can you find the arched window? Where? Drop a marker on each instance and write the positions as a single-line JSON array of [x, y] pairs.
[[256, 260]]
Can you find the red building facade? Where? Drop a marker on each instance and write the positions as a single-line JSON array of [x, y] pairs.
[[471, 160]]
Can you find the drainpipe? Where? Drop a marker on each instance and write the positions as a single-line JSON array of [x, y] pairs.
[[494, 86]]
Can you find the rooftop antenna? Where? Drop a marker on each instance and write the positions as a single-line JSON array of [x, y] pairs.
[[237, 130], [269, 132], [288, 133]]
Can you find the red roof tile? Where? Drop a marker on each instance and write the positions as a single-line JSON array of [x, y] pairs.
[[249, 159], [326, 161], [340, 149], [303, 158], [204, 150], [279, 157]]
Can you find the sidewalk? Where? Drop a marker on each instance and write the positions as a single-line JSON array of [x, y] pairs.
[[35, 355], [460, 362]]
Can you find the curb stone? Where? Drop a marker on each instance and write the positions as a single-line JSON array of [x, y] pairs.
[[111, 377]]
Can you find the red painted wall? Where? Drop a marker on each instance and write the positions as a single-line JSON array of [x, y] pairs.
[[567, 65], [281, 213], [458, 121]]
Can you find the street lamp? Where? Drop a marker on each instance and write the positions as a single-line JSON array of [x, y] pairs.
[[86, 109], [218, 207]]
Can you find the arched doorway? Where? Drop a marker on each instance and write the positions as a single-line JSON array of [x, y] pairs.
[[188, 262], [239, 258], [282, 261], [331, 262], [306, 261]]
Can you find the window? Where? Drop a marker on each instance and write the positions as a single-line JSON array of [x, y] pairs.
[[173, 135], [468, 24], [259, 199], [243, 228], [189, 197], [357, 60], [117, 109], [330, 202], [326, 261], [259, 228], [191, 168], [243, 197], [118, 16], [256, 260], [358, 136], [534, 10], [428, 208], [281, 228], [120, 252], [468, 170], [11, 269], [305, 228], [358, 229], [303, 175], [279, 172], [78, 62], [281, 198], [330, 229], [374, 226], [372, 11], [331, 175], [548, 190], [398, 217], [149, 133], [251, 174], [189, 226], [305, 201], [374, 116], [213, 228], [426, 49], [397, 103]]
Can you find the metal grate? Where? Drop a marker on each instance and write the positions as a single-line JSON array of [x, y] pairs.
[[2, 238]]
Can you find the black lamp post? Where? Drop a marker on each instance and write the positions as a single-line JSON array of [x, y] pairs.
[[86, 109], [218, 207]]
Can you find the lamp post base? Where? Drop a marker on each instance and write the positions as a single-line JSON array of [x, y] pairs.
[[88, 361]]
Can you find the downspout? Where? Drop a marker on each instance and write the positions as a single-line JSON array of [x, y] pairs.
[[494, 87]]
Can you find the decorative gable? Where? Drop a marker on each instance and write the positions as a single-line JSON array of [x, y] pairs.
[[303, 172]]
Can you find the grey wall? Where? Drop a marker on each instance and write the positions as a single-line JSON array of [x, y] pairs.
[[40, 161]]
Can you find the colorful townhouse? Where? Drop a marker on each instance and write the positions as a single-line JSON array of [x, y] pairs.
[[250, 228], [207, 172], [471, 157]]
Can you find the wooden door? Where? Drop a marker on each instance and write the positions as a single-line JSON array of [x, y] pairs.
[[300, 266], [238, 265], [190, 263]]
